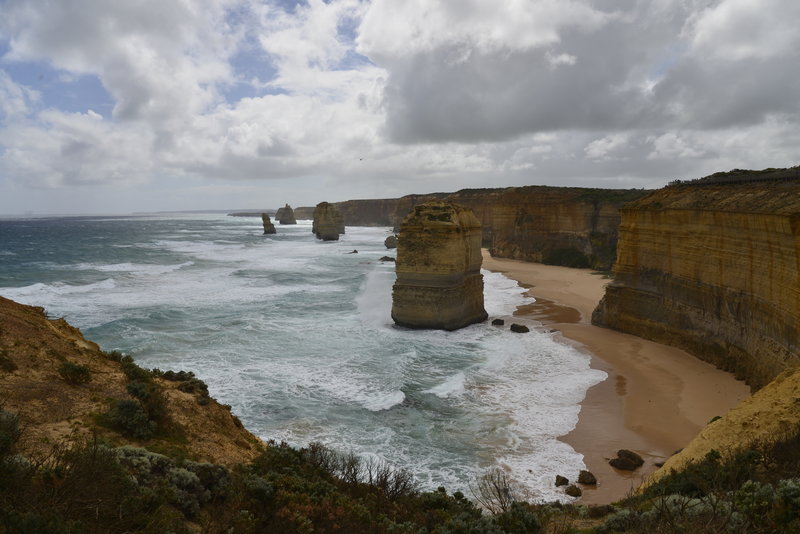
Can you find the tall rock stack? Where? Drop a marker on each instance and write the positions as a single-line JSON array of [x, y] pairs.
[[328, 222], [285, 215], [439, 284], [269, 228]]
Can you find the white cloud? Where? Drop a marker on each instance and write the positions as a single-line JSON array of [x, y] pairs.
[[673, 145], [452, 93], [392, 28], [16, 101], [605, 146], [737, 30]]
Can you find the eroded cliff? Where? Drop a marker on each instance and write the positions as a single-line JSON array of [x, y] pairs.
[[713, 268], [570, 226], [439, 284]]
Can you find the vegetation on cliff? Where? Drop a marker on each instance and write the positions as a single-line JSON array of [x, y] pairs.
[[173, 460]]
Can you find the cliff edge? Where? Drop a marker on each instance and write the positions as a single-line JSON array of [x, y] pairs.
[[713, 267], [64, 388]]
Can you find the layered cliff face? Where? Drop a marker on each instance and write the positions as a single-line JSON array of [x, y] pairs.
[[439, 284], [285, 215], [569, 226], [269, 228], [328, 222], [715, 269]]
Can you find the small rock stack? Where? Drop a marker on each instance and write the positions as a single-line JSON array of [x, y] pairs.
[[328, 222], [285, 215], [269, 228]]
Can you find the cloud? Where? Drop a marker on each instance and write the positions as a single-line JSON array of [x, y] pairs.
[[466, 74], [16, 101], [159, 60], [362, 98]]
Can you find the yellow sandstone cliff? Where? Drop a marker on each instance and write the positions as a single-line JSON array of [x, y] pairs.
[[713, 267], [439, 284]]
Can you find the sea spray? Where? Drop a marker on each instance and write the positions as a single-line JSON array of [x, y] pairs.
[[296, 335]]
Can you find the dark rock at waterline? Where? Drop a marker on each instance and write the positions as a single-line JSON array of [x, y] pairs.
[[519, 328], [573, 491], [353, 252], [269, 228], [626, 460], [561, 481], [391, 242], [586, 477], [387, 258], [498, 322]]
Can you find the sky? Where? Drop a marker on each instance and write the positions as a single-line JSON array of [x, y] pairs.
[[153, 105]]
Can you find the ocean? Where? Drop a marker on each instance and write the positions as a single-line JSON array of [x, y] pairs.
[[296, 335]]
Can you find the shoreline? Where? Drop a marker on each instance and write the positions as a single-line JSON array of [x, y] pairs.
[[656, 397]]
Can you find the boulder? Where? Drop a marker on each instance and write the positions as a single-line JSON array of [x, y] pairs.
[[586, 477], [269, 228], [387, 258], [498, 322], [519, 328], [626, 460], [439, 283], [561, 481], [328, 222], [573, 491], [285, 215], [390, 242]]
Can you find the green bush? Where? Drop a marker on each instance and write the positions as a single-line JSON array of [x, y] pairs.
[[130, 419], [74, 373]]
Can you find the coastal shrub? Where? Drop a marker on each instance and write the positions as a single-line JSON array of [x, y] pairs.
[[130, 419], [9, 433], [495, 491], [74, 373], [520, 518], [566, 257]]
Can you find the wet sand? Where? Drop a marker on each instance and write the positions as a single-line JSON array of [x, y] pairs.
[[656, 398]]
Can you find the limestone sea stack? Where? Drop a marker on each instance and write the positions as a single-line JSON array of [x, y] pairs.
[[285, 215], [328, 222], [269, 228], [439, 284]]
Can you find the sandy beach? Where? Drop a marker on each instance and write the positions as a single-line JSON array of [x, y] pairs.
[[656, 398]]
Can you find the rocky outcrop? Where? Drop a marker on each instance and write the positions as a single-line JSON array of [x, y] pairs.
[[439, 284], [36, 354], [328, 223], [713, 267], [285, 215], [269, 228]]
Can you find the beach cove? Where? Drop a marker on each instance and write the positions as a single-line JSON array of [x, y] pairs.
[[656, 398]]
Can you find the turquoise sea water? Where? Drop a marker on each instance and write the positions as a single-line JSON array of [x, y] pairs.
[[296, 335]]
